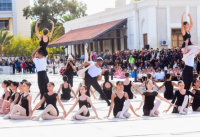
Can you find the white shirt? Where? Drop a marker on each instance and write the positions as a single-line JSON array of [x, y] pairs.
[[190, 61], [159, 76], [94, 71], [40, 64]]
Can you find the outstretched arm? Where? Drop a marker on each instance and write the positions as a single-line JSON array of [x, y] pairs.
[[33, 54], [191, 22], [93, 108], [52, 30], [182, 27], [135, 88], [36, 30]]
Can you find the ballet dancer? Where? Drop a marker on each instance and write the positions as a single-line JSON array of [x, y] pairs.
[[83, 112], [127, 86], [189, 51], [51, 111], [181, 99], [148, 98], [169, 87], [41, 63], [44, 40], [6, 96], [120, 101], [66, 89], [23, 109]]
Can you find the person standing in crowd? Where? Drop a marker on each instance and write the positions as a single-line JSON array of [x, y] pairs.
[[69, 69], [41, 63]]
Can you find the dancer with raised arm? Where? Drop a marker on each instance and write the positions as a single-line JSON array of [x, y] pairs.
[[41, 62], [44, 40]]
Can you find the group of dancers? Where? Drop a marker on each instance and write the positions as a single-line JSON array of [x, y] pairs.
[[18, 104]]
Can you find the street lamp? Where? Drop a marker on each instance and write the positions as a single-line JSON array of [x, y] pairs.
[[165, 68], [135, 71], [111, 72]]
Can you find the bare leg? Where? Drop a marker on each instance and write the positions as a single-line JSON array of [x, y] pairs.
[[198, 109], [50, 108], [21, 110], [5, 105], [50, 117], [185, 102], [125, 109], [155, 109], [79, 117], [1, 102], [83, 110], [8, 115]]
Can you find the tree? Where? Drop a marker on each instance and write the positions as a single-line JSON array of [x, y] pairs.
[[54, 10], [5, 39]]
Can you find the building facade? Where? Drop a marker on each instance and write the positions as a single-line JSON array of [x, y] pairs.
[[156, 23], [11, 17]]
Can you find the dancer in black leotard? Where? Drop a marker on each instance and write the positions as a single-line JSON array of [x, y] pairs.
[[127, 86], [189, 52], [6, 96], [148, 98], [6, 106], [120, 106], [44, 40], [83, 112], [169, 87], [181, 99], [51, 111], [196, 91], [66, 89], [23, 109]]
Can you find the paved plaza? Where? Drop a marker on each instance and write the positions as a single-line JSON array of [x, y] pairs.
[[164, 125]]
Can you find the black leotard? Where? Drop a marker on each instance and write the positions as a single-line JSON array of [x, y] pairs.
[[149, 102], [84, 103], [3, 96], [196, 102], [25, 104], [65, 93], [51, 99], [13, 97], [107, 91], [179, 98], [169, 90], [127, 89], [44, 47], [185, 37], [20, 95], [118, 104]]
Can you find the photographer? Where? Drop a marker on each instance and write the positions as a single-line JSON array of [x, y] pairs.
[[69, 69]]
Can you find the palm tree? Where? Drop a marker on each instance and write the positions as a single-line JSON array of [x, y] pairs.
[[4, 39]]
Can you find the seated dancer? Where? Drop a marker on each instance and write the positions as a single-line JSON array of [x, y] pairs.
[[41, 63], [148, 98], [83, 112], [127, 86], [120, 101], [51, 111], [181, 99], [196, 91], [66, 89], [149, 77], [23, 109], [169, 87], [6, 96], [44, 40], [189, 52], [107, 86], [7, 105]]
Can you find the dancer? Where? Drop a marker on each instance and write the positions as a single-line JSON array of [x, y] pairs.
[[196, 91], [169, 87], [149, 77], [23, 109], [120, 106], [181, 99], [148, 98], [107, 86], [6, 106], [84, 101], [189, 52], [44, 40], [127, 86], [66, 89], [51, 111], [92, 75], [40, 63], [6, 96]]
